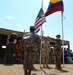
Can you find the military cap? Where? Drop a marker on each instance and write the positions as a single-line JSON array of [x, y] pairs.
[[32, 28], [58, 36]]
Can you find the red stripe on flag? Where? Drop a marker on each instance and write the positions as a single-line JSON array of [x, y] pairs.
[[39, 20], [54, 9]]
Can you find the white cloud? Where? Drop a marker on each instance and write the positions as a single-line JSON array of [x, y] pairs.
[[9, 17]]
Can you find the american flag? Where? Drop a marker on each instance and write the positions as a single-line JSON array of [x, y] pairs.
[[40, 19]]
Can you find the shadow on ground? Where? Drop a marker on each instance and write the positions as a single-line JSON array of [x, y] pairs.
[[69, 68], [34, 74]]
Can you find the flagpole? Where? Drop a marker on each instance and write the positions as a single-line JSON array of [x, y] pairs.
[[41, 37], [62, 37]]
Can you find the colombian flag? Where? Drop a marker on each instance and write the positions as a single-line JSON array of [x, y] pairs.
[[54, 6]]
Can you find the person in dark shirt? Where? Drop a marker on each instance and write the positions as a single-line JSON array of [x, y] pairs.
[[10, 49]]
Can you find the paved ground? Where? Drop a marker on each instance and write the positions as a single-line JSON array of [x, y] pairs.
[[17, 69]]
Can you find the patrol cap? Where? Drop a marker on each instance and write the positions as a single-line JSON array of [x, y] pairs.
[[58, 36], [32, 28]]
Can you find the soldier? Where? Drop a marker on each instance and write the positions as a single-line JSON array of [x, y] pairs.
[[30, 44], [11, 49], [36, 42], [57, 52], [46, 49]]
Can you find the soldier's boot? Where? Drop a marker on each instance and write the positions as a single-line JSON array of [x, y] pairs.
[[29, 72], [25, 72], [59, 68], [44, 66], [47, 66]]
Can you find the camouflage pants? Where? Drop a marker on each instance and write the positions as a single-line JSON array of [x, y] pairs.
[[28, 62], [58, 61], [45, 60]]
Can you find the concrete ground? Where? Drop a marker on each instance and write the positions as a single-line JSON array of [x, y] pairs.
[[17, 69]]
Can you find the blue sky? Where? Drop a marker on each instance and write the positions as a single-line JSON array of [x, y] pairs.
[[19, 15]]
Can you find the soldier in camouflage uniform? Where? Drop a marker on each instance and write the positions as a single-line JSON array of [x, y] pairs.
[[11, 49], [57, 52], [46, 49], [31, 47], [36, 42]]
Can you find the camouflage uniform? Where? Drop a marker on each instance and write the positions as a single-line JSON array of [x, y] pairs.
[[30, 46], [57, 52], [46, 49], [35, 40]]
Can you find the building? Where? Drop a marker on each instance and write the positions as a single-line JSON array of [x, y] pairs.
[[5, 33]]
